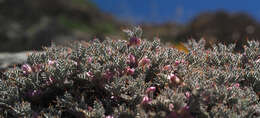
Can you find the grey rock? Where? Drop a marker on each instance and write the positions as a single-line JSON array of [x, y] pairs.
[[8, 59]]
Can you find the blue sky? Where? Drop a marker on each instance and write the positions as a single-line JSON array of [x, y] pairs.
[[158, 11]]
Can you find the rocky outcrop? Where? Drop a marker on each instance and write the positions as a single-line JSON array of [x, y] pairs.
[[9, 59]]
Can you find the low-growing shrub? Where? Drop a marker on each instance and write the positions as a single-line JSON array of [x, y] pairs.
[[137, 78]]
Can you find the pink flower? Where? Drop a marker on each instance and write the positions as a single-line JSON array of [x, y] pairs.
[[236, 85], [167, 67], [90, 74], [32, 93], [131, 59], [26, 69], [37, 68], [258, 60], [187, 94], [50, 81], [90, 108], [174, 79], [151, 89], [146, 100], [108, 75], [177, 63], [109, 51], [90, 59], [171, 107], [51, 62], [135, 41], [109, 116], [130, 71], [74, 62], [112, 97], [144, 61], [186, 108], [229, 88]]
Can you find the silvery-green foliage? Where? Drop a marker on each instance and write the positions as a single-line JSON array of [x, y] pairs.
[[99, 79]]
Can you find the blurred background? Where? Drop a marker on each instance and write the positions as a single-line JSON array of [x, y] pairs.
[[32, 24]]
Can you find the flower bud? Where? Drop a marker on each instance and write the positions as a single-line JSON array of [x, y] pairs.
[[26, 69], [229, 88], [171, 107], [50, 81], [109, 116], [37, 68], [177, 63], [144, 61], [90, 74], [236, 85], [51, 62], [146, 100], [90, 108], [151, 89], [135, 41], [258, 60], [130, 71], [90, 59], [131, 59], [108, 75], [167, 67], [187, 94], [33, 93], [174, 79], [74, 62]]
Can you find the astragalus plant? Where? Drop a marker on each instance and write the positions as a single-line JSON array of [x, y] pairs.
[[134, 78]]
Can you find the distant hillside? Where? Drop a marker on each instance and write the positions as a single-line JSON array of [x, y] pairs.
[[222, 27], [29, 24]]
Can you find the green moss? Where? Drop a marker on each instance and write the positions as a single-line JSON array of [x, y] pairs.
[[74, 24], [105, 28]]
